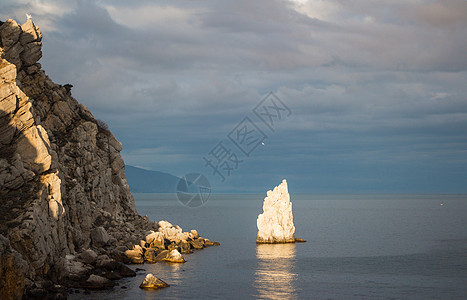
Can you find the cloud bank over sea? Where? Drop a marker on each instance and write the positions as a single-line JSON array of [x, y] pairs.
[[376, 88]]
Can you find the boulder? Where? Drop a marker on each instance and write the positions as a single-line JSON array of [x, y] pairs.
[[137, 260], [174, 257], [101, 259], [155, 240], [169, 233], [169, 256], [135, 255], [162, 256], [125, 271], [112, 275], [88, 257], [107, 264], [98, 282], [185, 247], [116, 267], [197, 244], [99, 237], [208, 243], [120, 255], [194, 234], [150, 255], [151, 282], [75, 269], [164, 224], [173, 246]]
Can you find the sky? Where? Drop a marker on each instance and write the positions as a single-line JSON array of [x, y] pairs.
[[367, 96]]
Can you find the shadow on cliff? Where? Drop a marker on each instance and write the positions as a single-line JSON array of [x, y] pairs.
[[18, 185], [16, 193]]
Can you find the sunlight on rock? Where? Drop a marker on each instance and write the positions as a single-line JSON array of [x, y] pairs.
[[275, 224]]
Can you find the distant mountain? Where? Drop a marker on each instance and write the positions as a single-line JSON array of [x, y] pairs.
[[145, 181]]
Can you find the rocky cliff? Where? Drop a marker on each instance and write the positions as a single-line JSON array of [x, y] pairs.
[[61, 173]]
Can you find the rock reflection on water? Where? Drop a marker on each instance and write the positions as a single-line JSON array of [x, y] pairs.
[[176, 272], [274, 276]]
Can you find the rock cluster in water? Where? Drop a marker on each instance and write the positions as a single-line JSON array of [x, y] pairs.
[[67, 216], [167, 243], [275, 224]]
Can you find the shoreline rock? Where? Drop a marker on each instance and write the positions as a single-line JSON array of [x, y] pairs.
[[98, 282], [151, 282], [167, 242], [175, 257]]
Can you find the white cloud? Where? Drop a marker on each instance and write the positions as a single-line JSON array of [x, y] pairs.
[[318, 9], [150, 15]]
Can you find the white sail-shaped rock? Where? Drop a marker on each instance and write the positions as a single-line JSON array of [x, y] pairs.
[[275, 224]]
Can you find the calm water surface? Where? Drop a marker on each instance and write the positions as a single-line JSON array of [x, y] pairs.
[[359, 247]]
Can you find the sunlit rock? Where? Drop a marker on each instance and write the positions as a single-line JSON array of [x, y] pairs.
[[151, 282], [135, 255], [164, 224], [171, 232], [175, 257], [155, 239], [275, 224]]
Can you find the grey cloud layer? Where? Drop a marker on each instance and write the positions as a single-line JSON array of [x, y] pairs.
[[373, 85]]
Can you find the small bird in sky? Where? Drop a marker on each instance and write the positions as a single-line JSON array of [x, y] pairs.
[[262, 143], [28, 16]]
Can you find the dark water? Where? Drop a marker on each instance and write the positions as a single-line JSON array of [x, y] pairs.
[[359, 247]]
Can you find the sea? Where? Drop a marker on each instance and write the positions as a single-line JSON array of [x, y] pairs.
[[358, 247]]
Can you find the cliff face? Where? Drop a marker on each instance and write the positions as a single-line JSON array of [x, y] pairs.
[[61, 173]]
